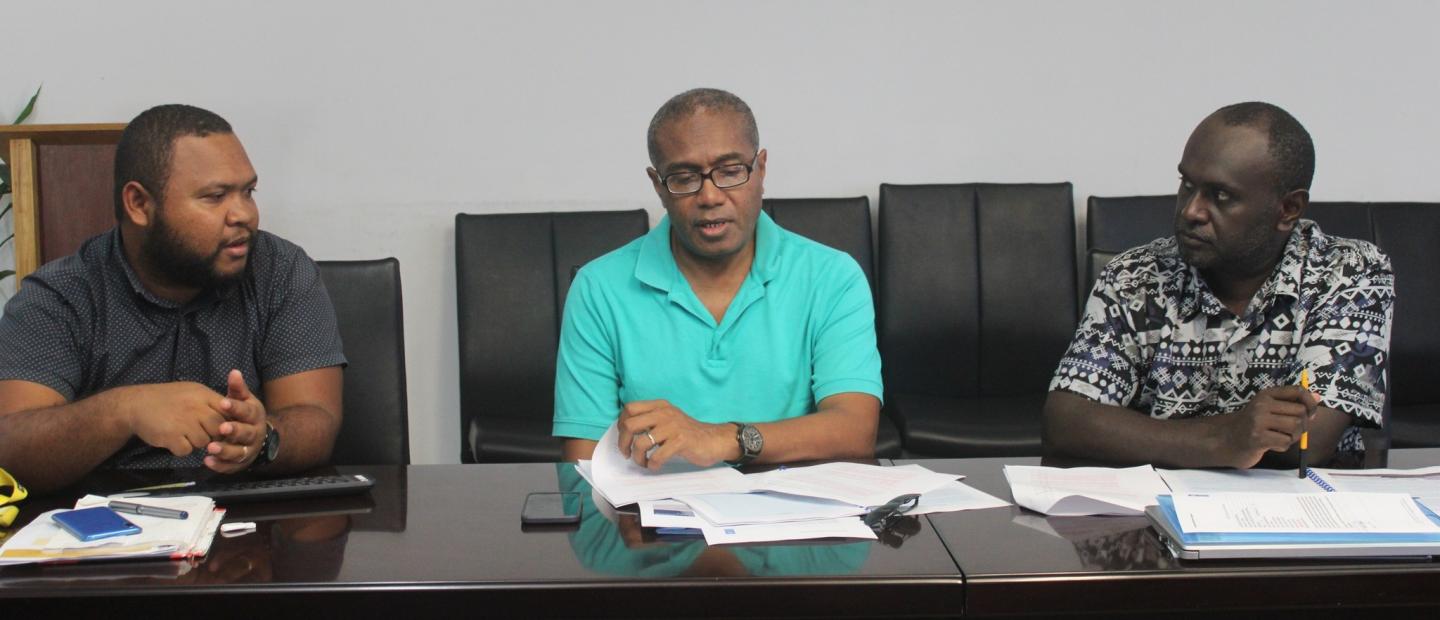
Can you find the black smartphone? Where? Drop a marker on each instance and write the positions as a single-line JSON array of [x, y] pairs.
[[551, 509]]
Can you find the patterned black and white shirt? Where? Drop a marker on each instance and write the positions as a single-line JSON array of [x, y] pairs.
[[1154, 338], [84, 324]]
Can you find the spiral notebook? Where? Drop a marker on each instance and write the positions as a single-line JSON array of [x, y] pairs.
[[1244, 480]]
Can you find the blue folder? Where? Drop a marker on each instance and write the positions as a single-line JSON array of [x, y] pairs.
[[1221, 545]]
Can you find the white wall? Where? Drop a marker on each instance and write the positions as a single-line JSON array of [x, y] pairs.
[[373, 124]]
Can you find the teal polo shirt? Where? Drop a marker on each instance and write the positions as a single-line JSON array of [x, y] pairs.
[[800, 329]]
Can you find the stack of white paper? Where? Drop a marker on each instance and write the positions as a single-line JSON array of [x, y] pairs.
[[818, 501], [45, 541]]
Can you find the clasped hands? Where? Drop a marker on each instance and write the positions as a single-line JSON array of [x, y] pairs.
[[184, 417], [652, 432]]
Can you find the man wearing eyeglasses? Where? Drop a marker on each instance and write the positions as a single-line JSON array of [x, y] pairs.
[[718, 336]]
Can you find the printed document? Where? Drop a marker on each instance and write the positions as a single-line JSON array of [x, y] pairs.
[[1316, 513], [621, 481], [752, 508], [845, 527]]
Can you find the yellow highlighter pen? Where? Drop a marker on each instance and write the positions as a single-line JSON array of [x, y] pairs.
[[1304, 423]]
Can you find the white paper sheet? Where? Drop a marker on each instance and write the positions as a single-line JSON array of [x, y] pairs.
[[956, 496], [1236, 481], [852, 483], [1318, 513], [753, 508], [624, 482], [1423, 483], [845, 527], [1081, 491]]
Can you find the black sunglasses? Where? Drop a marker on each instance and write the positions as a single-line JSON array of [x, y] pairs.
[[881, 517]]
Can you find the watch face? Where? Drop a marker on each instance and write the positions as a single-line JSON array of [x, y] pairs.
[[272, 443], [752, 439]]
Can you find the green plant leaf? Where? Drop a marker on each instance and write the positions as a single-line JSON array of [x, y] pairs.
[[4, 177], [6, 273], [29, 107], [6, 210], [6, 240]]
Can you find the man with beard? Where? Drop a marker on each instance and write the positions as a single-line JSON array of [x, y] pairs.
[[718, 336], [185, 336], [1192, 348]]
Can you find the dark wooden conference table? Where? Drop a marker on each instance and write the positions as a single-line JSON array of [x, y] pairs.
[[446, 540]]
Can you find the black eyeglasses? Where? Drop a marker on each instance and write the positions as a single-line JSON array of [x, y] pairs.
[[881, 517], [724, 177]]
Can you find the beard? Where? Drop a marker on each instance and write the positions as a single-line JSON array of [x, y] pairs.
[[164, 252]]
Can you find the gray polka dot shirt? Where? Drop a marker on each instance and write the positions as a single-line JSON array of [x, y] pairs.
[[84, 324]]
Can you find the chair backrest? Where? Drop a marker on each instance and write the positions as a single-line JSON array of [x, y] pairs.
[[62, 181], [977, 286], [513, 271], [368, 307], [1408, 234], [841, 223], [1116, 224]]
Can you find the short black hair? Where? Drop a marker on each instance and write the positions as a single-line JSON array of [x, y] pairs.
[[1291, 150], [143, 154], [693, 100]]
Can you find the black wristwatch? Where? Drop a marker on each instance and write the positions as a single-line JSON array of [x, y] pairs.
[[270, 448], [751, 443]]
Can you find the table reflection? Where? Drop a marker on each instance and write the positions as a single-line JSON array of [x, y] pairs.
[[615, 543], [1105, 543], [288, 550]]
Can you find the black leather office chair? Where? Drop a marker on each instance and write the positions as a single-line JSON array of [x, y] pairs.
[[513, 271], [1116, 224], [1408, 233], [368, 307], [977, 304], [843, 224]]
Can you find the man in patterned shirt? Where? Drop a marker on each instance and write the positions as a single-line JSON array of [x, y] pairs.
[[183, 337], [1191, 348]]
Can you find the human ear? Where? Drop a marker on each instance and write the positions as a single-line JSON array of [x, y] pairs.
[[759, 173], [137, 202], [1292, 206]]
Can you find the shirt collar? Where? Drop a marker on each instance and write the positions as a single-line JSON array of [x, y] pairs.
[[656, 266], [207, 297], [1195, 296]]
